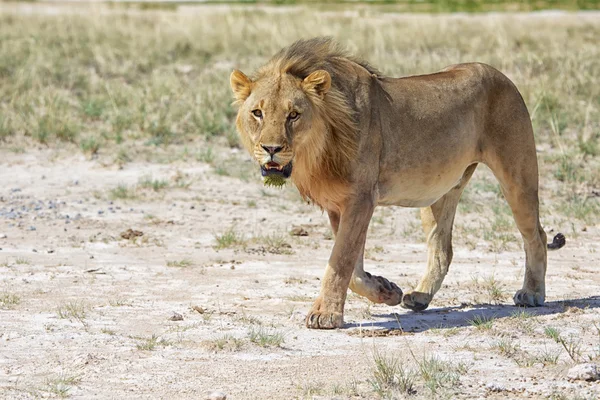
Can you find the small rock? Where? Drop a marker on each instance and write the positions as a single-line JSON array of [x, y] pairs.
[[176, 317], [299, 231], [216, 395], [584, 372], [131, 233], [199, 309], [32, 228], [494, 387], [3, 236]]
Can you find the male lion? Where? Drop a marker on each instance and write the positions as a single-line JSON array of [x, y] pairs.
[[351, 139]]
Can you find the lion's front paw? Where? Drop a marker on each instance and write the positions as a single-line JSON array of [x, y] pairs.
[[529, 298], [320, 317], [416, 301], [324, 320]]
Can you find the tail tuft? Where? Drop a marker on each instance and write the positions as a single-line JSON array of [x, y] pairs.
[[558, 242]]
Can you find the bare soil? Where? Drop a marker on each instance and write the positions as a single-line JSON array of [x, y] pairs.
[[87, 313]]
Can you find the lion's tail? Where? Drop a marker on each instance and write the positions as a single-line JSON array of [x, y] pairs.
[[558, 242]]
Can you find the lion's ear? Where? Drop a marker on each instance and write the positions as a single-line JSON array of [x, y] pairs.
[[240, 84], [318, 82]]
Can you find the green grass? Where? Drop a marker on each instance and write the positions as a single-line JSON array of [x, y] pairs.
[[180, 263], [225, 342], [120, 83], [8, 300], [72, 310], [482, 322], [150, 343], [389, 374], [122, 192], [507, 347], [571, 344], [228, 239], [494, 289], [90, 145], [265, 337], [522, 315], [157, 185], [552, 333], [275, 243], [437, 374], [61, 385]]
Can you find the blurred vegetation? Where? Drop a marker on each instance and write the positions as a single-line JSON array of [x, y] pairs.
[[424, 6], [100, 80]]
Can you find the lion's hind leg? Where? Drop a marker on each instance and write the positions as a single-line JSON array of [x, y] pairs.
[[519, 185], [437, 223]]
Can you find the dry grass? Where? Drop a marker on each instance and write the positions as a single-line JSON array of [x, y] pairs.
[[114, 82], [8, 300]]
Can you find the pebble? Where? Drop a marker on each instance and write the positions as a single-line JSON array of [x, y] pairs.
[[176, 317], [584, 372], [495, 387], [216, 395], [32, 228], [3, 236]]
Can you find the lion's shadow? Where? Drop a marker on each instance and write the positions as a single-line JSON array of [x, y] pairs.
[[461, 316]]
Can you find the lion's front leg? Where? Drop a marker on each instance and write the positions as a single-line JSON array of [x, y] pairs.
[[375, 288], [328, 310]]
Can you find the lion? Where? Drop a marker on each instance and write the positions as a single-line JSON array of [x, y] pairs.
[[351, 139]]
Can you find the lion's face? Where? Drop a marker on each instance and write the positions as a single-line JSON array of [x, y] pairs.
[[276, 117]]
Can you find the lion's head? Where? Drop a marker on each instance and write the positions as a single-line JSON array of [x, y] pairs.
[[295, 116], [278, 116]]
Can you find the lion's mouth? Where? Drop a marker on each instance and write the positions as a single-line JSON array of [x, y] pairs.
[[273, 168]]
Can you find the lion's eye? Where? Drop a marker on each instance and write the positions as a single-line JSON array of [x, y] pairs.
[[293, 116], [257, 113]]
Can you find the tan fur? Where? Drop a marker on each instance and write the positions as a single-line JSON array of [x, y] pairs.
[[363, 140]]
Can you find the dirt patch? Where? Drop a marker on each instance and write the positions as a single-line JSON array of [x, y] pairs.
[[170, 314]]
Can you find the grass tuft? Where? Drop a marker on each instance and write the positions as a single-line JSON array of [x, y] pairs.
[[122, 192], [150, 343], [72, 310], [8, 300], [482, 322], [390, 375], [225, 342], [157, 185], [61, 385], [228, 239], [265, 337], [180, 264]]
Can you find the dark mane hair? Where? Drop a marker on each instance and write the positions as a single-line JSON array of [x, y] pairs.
[[306, 56]]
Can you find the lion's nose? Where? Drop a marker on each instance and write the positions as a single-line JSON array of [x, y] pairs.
[[272, 149]]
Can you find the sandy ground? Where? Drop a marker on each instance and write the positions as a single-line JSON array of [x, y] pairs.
[[86, 313]]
